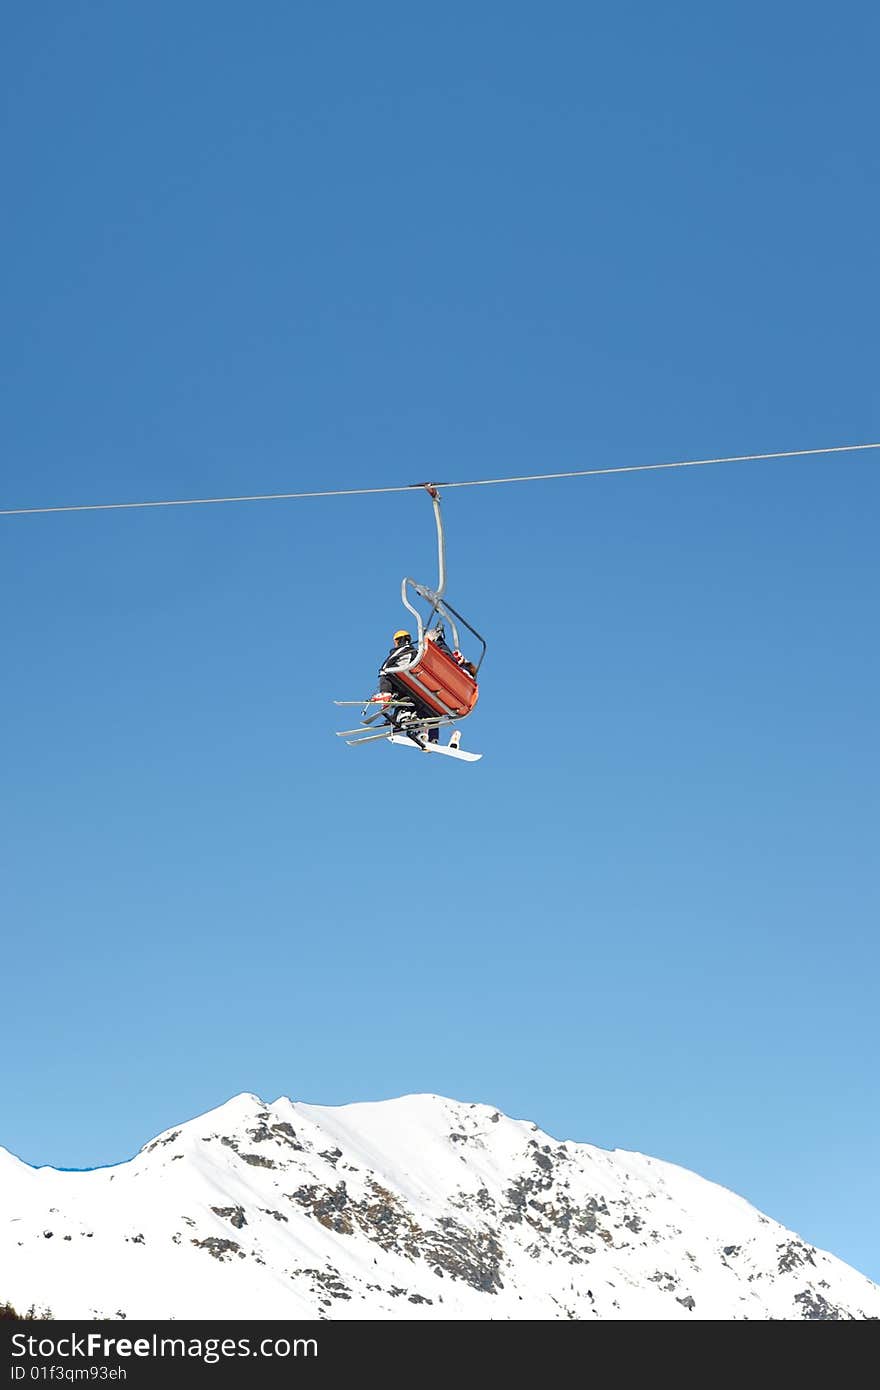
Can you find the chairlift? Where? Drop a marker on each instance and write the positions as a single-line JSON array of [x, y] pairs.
[[435, 685]]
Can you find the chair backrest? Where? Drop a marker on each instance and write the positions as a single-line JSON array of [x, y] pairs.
[[440, 682]]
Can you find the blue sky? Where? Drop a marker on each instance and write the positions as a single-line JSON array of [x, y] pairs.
[[297, 248]]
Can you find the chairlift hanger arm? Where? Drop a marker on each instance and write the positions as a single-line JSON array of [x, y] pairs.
[[434, 597], [434, 494]]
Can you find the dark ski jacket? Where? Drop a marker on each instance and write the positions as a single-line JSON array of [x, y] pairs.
[[398, 656]]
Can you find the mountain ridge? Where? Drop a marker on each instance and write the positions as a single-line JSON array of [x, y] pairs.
[[415, 1207]]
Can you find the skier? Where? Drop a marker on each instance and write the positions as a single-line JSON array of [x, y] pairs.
[[438, 636], [402, 652]]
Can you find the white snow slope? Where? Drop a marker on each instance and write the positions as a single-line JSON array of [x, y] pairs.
[[420, 1207]]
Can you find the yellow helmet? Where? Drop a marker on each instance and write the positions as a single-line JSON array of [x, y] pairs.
[[402, 633]]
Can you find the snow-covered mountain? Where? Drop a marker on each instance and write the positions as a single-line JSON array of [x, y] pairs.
[[420, 1207]]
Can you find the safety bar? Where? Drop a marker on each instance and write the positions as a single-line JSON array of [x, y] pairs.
[[443, 610]]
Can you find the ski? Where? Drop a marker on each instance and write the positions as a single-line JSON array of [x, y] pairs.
[[462, 753], [385, 704], [367, 738]]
